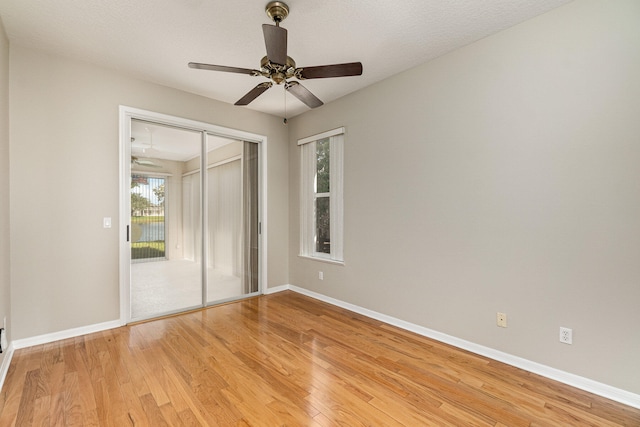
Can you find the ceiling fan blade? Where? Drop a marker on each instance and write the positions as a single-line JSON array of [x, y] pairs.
[[211, 67], [254, 93], [275, 39], [144, 162], [336, 70], [303, 94]]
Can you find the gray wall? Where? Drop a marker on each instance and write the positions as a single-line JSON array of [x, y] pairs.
[[501, 177], [5, 294], [64, 180]]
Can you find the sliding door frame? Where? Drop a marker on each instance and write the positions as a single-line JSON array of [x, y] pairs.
[[129, 113]]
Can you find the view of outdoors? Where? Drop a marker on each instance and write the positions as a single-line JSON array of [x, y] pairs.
[[147, 217], [323, 243]]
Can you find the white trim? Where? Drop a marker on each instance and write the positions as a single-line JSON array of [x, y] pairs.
[[582, 383], [321, 259], [6, 362], [276, 289], [69, 333], [327, 134], [124, 168]]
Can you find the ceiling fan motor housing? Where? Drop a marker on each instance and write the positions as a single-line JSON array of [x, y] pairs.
[[278, 73]]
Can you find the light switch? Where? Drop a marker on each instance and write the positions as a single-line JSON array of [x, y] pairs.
[[106, 222]]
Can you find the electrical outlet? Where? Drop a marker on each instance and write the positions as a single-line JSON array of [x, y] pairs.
[[566, 335], [501, 319], [320, 275]]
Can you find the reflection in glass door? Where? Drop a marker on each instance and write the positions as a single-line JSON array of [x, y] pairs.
[[194, 236], [165, 278], [232, 219]]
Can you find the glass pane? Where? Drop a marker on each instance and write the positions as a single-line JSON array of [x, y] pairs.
[[147, 217], [250, 218], [322, 176], [165, 220], [231, 218], [323, 241]]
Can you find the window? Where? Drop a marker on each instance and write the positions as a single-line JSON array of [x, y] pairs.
[[321, 208]]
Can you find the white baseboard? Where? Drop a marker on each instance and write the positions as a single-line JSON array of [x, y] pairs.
[[69, 333], [4, 368], [276, 289], [586, 384]]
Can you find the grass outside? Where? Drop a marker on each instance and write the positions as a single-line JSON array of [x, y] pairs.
[[142, 250], [146, 219]]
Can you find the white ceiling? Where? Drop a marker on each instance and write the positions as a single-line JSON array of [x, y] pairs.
[[155, 39]]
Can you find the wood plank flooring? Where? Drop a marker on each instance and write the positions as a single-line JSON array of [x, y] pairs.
[[282, 360]]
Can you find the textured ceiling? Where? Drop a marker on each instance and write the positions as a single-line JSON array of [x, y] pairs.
[[155, 39]]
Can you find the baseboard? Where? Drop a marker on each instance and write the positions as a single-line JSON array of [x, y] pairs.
[[4, 368], [276, 289], [586, 384], [69, 333]]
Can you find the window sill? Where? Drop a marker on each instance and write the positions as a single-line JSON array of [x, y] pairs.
[[325, 260]]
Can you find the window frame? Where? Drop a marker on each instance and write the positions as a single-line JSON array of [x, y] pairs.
[[308, 196]]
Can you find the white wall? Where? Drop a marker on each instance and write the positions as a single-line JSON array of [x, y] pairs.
[[501, 177], [64, 180], [5, 294]]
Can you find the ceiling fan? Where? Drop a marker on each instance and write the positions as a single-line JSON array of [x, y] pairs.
[[144, 162], [279, 68]]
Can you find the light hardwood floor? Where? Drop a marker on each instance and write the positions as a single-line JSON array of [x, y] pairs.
[[277, 360]]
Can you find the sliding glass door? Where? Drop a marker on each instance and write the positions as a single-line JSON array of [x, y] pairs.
[[232, 220], [194, 219]]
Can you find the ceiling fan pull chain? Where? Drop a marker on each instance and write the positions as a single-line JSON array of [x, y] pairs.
[[284, 92]]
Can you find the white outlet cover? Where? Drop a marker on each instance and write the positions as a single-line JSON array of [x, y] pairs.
[[566, 335], [501, 319]]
